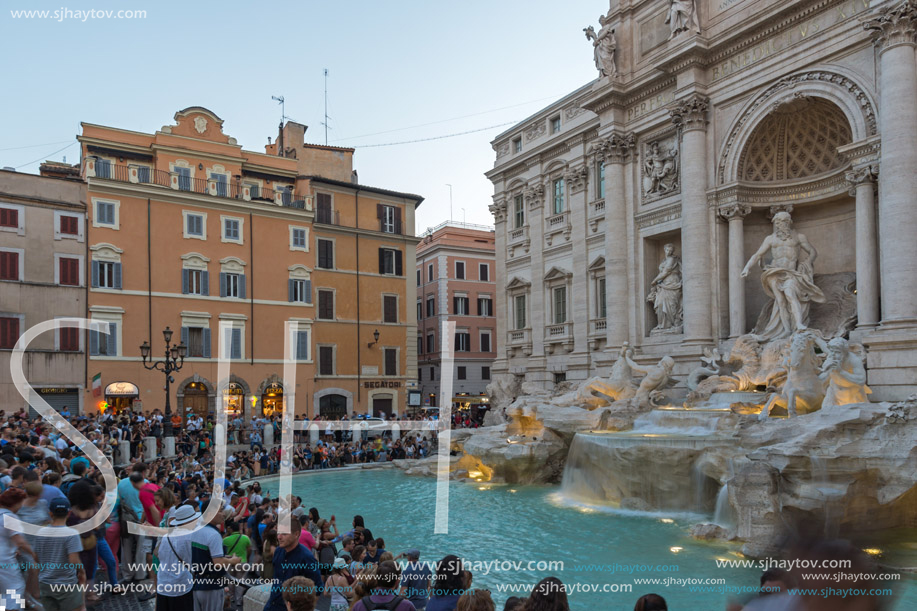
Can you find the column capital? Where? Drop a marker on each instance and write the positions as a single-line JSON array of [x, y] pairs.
[[498, 209], [734, 212], [534, 196], [861, 176], [779, 208], [690, 113], [894, 25], [615, 148], [576, 178]]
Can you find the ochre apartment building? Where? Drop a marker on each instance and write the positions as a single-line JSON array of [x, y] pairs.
[[189, 231]]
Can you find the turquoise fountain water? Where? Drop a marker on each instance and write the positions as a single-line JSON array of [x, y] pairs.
[[533, 523]]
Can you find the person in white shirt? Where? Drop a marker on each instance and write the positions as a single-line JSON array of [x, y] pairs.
[[174, 579]]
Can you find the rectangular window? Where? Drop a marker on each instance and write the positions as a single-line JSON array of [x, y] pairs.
[[431, 345], [300, 290], [9, 331], [555, 124], [517, 145], [485, 342], [69, 272], [483, 272], [143, 174], [323, 208], [195, 225], [391, 362], [419, 310], [390, 219], [325, 254], [463, 341], [103, 168], [69, 225], [9, 217], [102, 344], [184, 178], [519, 311], [420, 347], [459, 270], [460, 305], [106, 275], [433, 379], [430, 272], [9, 265], [390, 262], [326, 360], [298, 238], [485, 306], [431, 306], [462, 373], [105, 213], [326, 305], [560, 377], [235, 343], [558, 196], [302, 345], [68, 338], [232, 285], [600, 295], [195, 341], [221, 184], [389, 308], [560, 305], [518, 211], [418, 277], [485, 373], [600, 183], [231, 230], [195, 282]]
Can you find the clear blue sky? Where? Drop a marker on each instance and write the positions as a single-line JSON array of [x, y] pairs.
[[394, 64]]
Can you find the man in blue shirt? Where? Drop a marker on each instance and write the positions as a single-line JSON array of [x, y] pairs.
[[415, 579], [291, 559]]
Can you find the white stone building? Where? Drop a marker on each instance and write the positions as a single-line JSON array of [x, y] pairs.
[[705, 121]]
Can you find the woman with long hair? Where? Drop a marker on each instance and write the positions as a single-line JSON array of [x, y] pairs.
[[476, 600], [269, 547], [549, 594], [10, 542], [450, 584]]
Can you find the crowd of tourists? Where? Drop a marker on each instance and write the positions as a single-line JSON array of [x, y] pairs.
[[47, 481]]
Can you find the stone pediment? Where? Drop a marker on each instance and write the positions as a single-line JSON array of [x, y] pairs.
[[199, 123], [518, 283], [556, 273], [598, 264]]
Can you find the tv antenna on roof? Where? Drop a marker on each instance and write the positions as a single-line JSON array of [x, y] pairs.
[[325, 122], [283, 113]]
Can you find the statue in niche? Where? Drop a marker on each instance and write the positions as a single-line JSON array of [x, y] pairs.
[[682, 17], [603, 47], [787, 280], [660, 171], [665, 294], [844, 374]]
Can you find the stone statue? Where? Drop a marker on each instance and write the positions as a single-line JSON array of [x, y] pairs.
[[619, 386], [682, 17], [844, 373], [657, 379], [803, 391], [665, 294], [787, 280], [660, 171], [603, 47]]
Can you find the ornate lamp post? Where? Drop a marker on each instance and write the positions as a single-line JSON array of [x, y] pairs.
[[173, 361]]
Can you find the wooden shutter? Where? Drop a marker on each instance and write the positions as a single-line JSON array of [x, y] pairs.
[[397, 220], [205, 341], [185, 280], [399, 270], [242, 286], [9, 265], [302, 345], [326, 305], [290, 288], [390, 308], [380, 211], [112, 339], [9, 217], [455, 305], [95, 274], [324, 202], [117, 274], [236, 346], [326, 360], [391, 362], [93, 343], [9, 332], [382, 260], [307, 291], [205, 283], [69, 339], [223, 283]]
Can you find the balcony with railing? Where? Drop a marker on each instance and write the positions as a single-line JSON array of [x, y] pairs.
[[597, 337], [519, 340], [215, 186], [557, 224], [559, 334], [327, 216]]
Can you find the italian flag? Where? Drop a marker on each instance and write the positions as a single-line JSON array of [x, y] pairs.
[[97, 385]]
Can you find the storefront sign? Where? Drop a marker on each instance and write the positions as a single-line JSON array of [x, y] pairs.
[[382, 384], [121, 389], [55, 391], [233, 389]]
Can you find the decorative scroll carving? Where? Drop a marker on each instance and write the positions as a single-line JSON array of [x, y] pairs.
[[576, 179], [690, 113], [727, 213], [855, 178], [894, 25], [534, 196]]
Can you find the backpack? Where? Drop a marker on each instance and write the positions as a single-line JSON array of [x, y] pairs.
[[369, 605]]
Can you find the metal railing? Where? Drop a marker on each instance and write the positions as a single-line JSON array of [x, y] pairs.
[[326, 216]]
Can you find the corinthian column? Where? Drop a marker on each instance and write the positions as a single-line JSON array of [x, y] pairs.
[[863, 182], [735, 215], [616, 151], [690, 115], [894, 29], [498, 209]]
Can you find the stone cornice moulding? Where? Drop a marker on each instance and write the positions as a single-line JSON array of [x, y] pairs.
[[864, 152], [861, 176], [893, 26], [661, 215], [733, 211], [763, 195]]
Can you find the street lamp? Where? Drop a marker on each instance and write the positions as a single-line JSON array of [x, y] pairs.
[[173, 361], [375, 337]]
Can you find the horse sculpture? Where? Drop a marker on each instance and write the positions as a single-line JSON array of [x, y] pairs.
[[803, 391]]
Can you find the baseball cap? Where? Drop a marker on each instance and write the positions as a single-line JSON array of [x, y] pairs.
[[412, 553], [59, 505]]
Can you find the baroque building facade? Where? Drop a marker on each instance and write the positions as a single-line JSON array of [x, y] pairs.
[[627, 210]]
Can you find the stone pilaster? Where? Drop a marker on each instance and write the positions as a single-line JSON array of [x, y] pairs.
[[615, 151], [862, 183], [534, 204], [578, 207], [498, 209], [894, 33], [690, 115], [735, 216]]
